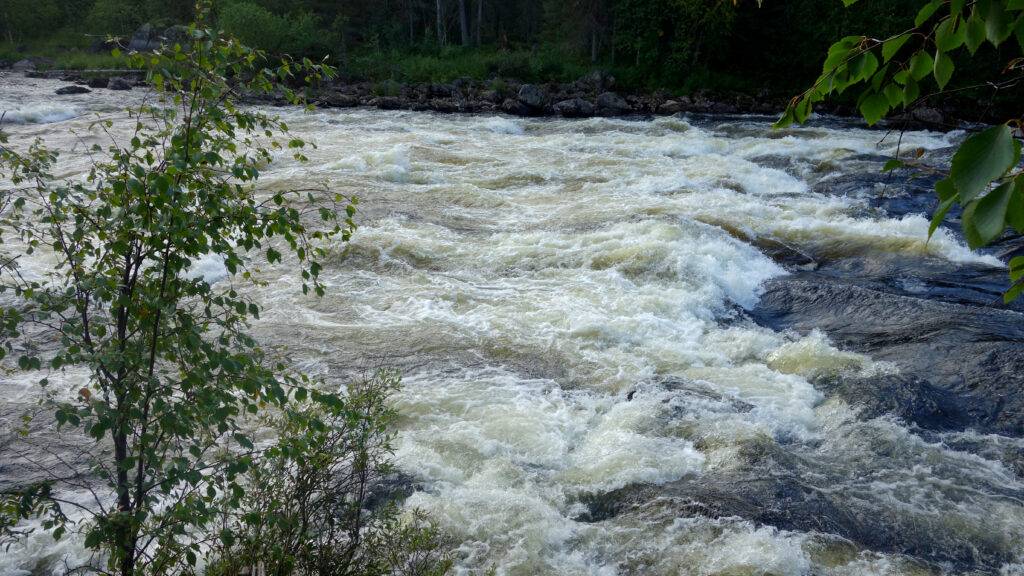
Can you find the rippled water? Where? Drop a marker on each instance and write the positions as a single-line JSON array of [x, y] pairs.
[[585, 389]]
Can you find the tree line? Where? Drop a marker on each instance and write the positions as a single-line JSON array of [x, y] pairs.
[[650, 43]]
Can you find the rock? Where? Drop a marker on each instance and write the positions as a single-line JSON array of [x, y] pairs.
[[595, 81], [534, 97], [73, 89], [339, 100], [927, 115], [515, 107], [99, 82], [575, 108], [670, 107], [442, 105], [609, 103], [177, 34], [389, 103], [491, 96], [144, 39], [104, 45], [118, 83], [23, 65]]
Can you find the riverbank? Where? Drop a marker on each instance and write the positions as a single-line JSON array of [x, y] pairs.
[[595, 94]]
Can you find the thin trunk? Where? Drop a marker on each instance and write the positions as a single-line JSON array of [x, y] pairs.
[[463, 23], [440, 28], [412, 33], [615, 21], [479, 19], [593, 45]]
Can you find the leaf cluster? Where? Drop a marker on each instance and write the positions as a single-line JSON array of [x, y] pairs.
[[984, 176]]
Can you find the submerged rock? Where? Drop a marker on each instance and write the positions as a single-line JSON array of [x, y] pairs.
[[73, 89]]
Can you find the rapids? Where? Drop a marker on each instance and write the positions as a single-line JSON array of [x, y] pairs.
[[679, 345]]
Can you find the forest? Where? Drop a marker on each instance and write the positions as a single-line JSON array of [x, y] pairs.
[[678, 45]]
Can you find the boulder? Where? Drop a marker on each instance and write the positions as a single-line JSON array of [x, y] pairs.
[[73, 89], [389, 103], [610, 103], [32, 63], [144, 39], [533, 97], [515, 107], [99, 82], [118, 83], [575, 108], [674, 106], [595, 81], [927, 115], [177, 34], [335, 99]]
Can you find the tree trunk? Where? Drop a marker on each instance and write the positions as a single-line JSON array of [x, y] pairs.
[[412, 33], [479, 19], [463, 23], [440, 28], [593, 45]]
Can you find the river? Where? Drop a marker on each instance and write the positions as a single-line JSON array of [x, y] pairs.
[[647, 346]]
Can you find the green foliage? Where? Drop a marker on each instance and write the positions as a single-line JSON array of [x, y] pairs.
[[984, 176], [172, 372], [305, 508]]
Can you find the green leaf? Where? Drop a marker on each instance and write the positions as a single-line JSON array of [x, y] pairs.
[[948, 196], [982, 158], [893, 94], [949, 36], [975, 32], [910, 92], [943, 69], [1018, 31], [1016, 268], [921, 65], [892, 165], [893, 45], [939, 216], [926, 12], [874, 107], [985, 218], [862, 67], [956, 6], [1015, 209], [998, 24]]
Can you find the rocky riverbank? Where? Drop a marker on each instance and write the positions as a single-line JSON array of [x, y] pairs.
[[592, 95]]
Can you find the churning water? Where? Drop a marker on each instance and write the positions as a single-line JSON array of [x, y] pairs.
[[591, 384]]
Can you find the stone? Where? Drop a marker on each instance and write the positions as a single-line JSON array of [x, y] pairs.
[[118, 83], [670, 107], [73, 89], [612, 103], [100, 82], [575, 108], [334, 99], [515, 107], [928, 115], [532, 96], [144, 39]]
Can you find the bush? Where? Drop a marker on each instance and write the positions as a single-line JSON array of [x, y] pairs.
[[306, 508]]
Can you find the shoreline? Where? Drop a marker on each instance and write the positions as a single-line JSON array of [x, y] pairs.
[[590, 96]]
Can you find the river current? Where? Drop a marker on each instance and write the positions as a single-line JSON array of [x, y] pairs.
[[595, 380]]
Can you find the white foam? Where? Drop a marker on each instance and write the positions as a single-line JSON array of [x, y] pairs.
[[41, 113]]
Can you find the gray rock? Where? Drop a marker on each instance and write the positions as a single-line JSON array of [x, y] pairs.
[[515, 107], [118, 83], [674, 106], [144, 39], [595, 81], [100, 82], [533, 96], [73, 89], [610, 102], [24, 65], [575, 108], [927, 115], [334, 99], [177, 34]]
